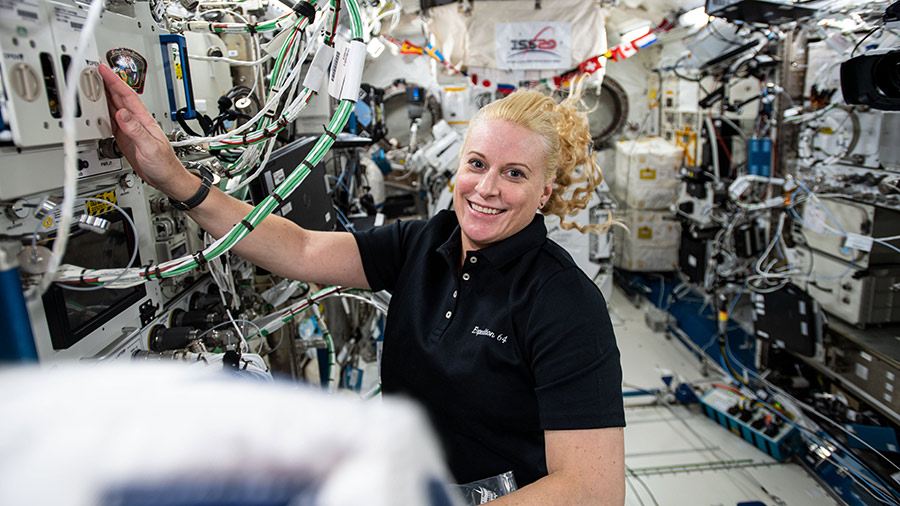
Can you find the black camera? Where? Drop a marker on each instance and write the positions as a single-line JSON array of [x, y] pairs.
[[873, 80]]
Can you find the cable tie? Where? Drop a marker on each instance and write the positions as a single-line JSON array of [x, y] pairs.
[[329, 133], [251, 29], [307, 163], [247, 225], [158, 273], [306, 10], [81, 276], [200, 258], [147, 270], [356, 39], [277, 198]]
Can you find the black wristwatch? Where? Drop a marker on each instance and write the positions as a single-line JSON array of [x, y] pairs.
[[199, 196]]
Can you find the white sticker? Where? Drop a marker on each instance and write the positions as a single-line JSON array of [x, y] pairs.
[[865, 355], [887, 397], [692, 260], [860, 242], [801, 306], [233, 53], [278, 176], [68, 19], [355, 62], [328, 217], [889, 387], [26, 10], [336, 72], [779, 343], [890, 375], [804, 328], [862, 371], [286, 208], [539, 45], [762, 333], [318, 69]]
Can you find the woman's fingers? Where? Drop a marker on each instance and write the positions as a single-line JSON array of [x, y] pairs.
[[123, 97]]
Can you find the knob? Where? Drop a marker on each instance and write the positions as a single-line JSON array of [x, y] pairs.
[[25, 82], [91, 84]]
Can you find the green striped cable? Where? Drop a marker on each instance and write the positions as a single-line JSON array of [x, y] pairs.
[[299, 174]]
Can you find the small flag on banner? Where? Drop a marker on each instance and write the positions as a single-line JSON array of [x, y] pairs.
[[644, 40], [623, 51], [590, 65], [410, 48]]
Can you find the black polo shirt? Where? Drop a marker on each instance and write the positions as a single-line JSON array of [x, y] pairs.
[[517, 342]]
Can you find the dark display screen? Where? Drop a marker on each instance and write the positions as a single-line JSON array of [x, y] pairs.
[[72, 315]]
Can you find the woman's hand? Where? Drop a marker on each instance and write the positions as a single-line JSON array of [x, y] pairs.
[[143, 142]]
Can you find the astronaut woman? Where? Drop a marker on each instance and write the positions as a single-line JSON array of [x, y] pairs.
[[492, 327]]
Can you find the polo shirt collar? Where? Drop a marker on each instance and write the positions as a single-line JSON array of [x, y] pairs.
[[507, 250]]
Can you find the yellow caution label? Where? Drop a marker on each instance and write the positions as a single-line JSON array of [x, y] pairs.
[[652, 94], [723, 316], [645, 233], [827, 130], [648, 173], [178, 74], [48, 222], [95, 208]]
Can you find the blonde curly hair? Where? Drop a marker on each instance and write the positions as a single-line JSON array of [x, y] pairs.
[[567, 140]]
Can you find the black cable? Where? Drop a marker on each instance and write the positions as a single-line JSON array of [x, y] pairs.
[[866, 36], [206, 124], [675, 70]]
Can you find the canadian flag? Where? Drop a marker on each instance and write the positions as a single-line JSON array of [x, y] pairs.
[[623, 51]]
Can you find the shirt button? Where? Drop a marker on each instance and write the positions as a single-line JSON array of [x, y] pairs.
[[465, 276], [448, 315], [473, 259], [454, 294]]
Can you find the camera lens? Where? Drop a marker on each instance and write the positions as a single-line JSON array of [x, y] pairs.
[[886, 74]]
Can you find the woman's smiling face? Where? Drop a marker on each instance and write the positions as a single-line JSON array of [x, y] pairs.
[[500, 182]]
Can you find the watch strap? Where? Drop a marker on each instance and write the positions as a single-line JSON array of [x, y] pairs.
[[199, 196]]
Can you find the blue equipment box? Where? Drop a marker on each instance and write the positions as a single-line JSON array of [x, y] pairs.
[[723, 406], [759, 157]]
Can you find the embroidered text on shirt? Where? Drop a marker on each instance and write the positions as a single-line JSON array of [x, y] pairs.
[[489, 333]]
